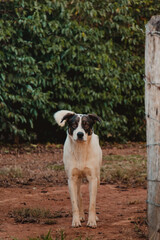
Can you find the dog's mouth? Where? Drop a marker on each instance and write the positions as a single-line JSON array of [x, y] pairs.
[[80, 140]]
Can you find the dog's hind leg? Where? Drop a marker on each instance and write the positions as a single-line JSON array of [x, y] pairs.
[[79, 201], [73, 188]]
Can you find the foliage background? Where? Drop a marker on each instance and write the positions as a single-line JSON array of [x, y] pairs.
[[85, 56]]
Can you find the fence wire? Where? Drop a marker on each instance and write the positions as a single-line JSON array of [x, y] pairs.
[[153, 33], [147, 80]]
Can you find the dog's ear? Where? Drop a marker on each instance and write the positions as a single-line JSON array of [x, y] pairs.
[[94, 118], [67, 116], [62, 116]]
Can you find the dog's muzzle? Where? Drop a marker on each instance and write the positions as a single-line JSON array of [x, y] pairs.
[[80, 135]]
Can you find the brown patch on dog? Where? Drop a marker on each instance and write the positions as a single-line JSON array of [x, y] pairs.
[[81, 173], [87, 171], [75, 172]]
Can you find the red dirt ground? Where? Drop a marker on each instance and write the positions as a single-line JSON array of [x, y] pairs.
[[121, 210]]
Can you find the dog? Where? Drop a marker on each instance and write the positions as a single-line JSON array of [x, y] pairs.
[[82, 157]]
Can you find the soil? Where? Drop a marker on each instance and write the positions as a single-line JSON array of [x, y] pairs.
[[32, 183]]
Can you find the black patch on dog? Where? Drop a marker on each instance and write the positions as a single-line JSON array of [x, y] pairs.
[[87, 124], [67, 116], [94, 117], [88, 121], [73, 124]]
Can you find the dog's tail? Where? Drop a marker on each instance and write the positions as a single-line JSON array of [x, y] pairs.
[[59, 116]]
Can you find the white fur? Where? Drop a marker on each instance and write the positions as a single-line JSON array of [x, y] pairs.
[[79, 129], [59, 115], [82, 159]]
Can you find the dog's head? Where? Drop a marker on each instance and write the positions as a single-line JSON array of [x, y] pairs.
[[80, 126]]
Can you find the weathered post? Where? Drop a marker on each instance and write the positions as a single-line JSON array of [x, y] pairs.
[[152, 109]]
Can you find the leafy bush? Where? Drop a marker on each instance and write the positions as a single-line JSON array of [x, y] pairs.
[[85, 56]]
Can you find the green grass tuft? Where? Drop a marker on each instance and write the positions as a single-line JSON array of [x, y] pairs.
[[60, 235], [56, 167], [129, 169], [12, 172], [33, 215]]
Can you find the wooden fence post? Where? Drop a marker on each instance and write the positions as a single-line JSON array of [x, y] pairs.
[[152, 110]]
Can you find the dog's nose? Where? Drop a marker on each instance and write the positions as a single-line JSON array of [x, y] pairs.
[[80, 135]]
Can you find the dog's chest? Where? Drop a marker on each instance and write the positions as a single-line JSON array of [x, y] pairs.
[[80, 157]]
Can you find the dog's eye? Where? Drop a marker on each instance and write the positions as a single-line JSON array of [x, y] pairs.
[[74, 125], [86, 125]]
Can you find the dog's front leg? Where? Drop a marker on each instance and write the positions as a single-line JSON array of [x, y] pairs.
[[92, 204], [80, 204], [73, 195]]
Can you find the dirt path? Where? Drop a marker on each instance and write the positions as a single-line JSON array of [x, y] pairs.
[[120, 212], [33, 179]]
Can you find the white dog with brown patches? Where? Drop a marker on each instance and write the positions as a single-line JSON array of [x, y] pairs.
[[82, 157]]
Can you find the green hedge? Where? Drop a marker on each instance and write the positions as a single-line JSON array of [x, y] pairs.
[[85, 56]]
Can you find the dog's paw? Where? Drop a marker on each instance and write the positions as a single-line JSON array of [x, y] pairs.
[[76, 222], [91, 223]]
